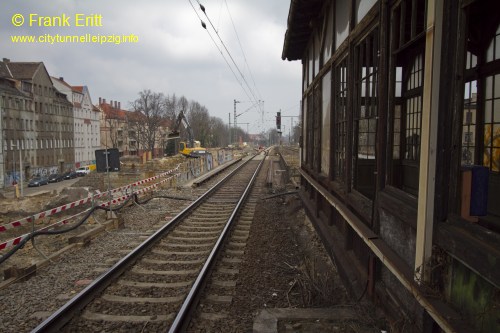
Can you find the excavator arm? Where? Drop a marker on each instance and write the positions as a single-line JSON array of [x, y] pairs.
[[189, 149]]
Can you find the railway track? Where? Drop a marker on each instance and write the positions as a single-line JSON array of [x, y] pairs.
[[157, 286], [213, 312]]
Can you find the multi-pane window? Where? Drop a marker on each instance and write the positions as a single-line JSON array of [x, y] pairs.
[[481, 105], [317, 128], [340, 116], [309, 130], [407, 71], [469, 121], [491, 154], [407, 124], [365, 114], [325, 130], [413, 111]]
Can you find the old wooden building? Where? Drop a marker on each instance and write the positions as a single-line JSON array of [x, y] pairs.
[[400, 158]]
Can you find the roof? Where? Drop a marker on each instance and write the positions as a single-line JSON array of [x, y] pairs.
[[113, 113], [61, 81], [7, 85], [23, 70], [301, 16], [4, 70]]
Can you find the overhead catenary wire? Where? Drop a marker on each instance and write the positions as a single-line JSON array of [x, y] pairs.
[[243, 52], [254, 98], [220, 51]]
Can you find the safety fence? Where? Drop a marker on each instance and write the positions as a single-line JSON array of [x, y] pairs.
[[127, 192], [182, 172]]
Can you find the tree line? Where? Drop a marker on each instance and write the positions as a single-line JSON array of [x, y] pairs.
[[153, 112]]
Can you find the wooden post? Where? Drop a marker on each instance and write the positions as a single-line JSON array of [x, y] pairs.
[[428, 144]]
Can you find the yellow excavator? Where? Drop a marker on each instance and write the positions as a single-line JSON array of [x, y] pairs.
[[191, 148]]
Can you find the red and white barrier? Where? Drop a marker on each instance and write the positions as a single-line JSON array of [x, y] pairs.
[[30, 219], [12, 242], [17, 240]]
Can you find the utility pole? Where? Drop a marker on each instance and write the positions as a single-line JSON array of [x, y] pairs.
[[234, 118], [21, 172], [229, 129], [291, 124]]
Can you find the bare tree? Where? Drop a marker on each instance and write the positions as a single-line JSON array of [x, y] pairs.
[[219, 136], [146, 120], [199, 119]]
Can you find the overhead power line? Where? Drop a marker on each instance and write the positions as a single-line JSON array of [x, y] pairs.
[[253, 96], [203, 24], [243, 52]]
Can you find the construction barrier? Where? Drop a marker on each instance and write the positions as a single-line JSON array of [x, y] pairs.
[[92, 198]]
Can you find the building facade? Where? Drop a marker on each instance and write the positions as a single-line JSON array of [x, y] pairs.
[[126, 130], [400, 109], [86, 119], [37, 122], [115, 132]]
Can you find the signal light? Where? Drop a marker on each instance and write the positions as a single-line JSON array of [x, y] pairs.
[[278, 120]]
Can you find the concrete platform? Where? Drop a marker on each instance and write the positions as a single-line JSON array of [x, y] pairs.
[[197, 181], [340, 319]]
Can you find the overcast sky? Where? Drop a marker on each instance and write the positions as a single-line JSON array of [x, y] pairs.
[[174, 54]]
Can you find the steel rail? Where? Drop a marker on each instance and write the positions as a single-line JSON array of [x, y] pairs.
[[182, 319], [64, 314]]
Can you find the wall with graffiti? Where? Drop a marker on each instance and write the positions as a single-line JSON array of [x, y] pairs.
[[12, 177]]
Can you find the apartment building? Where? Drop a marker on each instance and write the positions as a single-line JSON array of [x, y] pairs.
[[86, 121], [36, 123]]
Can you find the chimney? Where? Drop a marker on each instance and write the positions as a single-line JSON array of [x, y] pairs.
[[119, 105], [61, 78], [111, 103], [116, 104], [104, 101], [100, 100]]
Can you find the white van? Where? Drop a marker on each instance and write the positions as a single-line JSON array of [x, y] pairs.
[[83, 171]]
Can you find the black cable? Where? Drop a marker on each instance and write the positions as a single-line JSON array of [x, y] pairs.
[[60, 231]]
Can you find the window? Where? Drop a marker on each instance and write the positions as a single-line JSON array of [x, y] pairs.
[[491, 154], [407, 118], [365, 114], [340, 118], [469, 156], [325, 131], [305, 131], [317, 128], [309, 130], [407, 70], [481, 113]]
